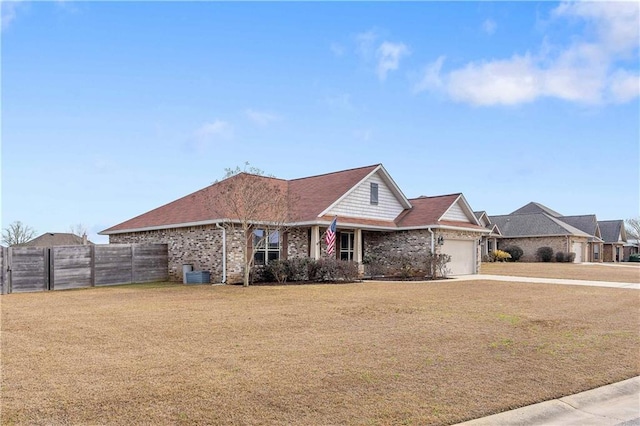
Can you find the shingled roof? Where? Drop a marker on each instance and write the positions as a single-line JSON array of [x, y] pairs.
[[534, 225], [612, 231], [53, 239], [534, 207], [309, 199]]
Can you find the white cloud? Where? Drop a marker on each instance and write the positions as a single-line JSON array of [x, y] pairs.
[[210, 133], [388, 56], [261, 117], [589, 70], [8, 12], [365, 43], [489, 26]]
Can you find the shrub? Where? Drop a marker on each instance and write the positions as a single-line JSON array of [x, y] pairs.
[[487, 258], [569, 257], [335, 270], [436, 265], [374, 265], [635, 257], [305, 269], [515, 251], [500, 255], [405, 266], [544, 254], [560, 256], [277, 270], [299, 268]]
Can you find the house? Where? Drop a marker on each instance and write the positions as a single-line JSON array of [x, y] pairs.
[[535, 225], [51, 239], [373, 215], [615, 237], [489, 242]]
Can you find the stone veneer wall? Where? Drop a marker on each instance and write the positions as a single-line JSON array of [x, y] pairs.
[[530, 245], [297, 242], [197, 245], [387, 245]]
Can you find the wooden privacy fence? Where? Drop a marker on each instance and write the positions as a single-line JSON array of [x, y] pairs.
[[25, 269]]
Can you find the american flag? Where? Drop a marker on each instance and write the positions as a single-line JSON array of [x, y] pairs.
[[330, 237]]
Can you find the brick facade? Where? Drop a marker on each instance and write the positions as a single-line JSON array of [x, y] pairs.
[[530, 245], [200, 246], [413, 243]]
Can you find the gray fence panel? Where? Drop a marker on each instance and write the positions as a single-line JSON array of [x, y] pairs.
[[113, 265], [150, 263], [4, 283], [29, 269], [71, 267]]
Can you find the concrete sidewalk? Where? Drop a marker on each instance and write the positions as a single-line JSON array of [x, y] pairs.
[[615, 404], [635, 286]]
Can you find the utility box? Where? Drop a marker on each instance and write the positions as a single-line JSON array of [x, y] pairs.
[[198, 277]]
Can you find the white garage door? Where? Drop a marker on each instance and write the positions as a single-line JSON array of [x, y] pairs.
[[463, 256], [577, 249]]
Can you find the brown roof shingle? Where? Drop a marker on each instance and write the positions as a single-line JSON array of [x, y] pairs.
[[308, 198]]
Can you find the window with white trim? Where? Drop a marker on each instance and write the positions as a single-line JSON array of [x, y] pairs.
[[346, 245], [266, 248]]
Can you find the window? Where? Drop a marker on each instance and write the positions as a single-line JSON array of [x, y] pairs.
[[266, 249], [374, 193], [346, 245], [596, 251]]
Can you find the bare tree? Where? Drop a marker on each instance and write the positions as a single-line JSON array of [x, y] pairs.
[[256, 205], [78, 229], [632, 226], [17, 233]]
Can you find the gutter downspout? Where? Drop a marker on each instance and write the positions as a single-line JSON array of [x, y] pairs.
[[224, 252], [433, 251]]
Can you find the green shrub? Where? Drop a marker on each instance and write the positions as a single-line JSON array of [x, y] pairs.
[[515, 251], [569, 257], [635, 257], [305, 269], [544, 254], [560, 256]]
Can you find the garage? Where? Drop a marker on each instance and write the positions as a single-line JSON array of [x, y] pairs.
[[463, 256], [577, 249]]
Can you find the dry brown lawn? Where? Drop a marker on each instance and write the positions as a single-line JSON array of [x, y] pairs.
[[376, 353], [626, 273]]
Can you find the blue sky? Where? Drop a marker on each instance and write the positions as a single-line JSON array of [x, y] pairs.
[[110, 109]]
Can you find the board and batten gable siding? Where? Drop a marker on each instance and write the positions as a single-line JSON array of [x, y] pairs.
[[455, 213], [358, 202]]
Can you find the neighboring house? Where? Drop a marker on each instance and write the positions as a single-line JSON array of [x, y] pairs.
[[51, 239], [534, 225], [489, 242], [373, 218], [632, 246], [615, 237], [589, 224]]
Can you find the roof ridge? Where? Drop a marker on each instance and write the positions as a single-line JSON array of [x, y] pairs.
[[435, 196], [336, 172]]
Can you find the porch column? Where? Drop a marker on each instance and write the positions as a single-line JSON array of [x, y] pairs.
[[315, 242], [357, 251], [357, 246]]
